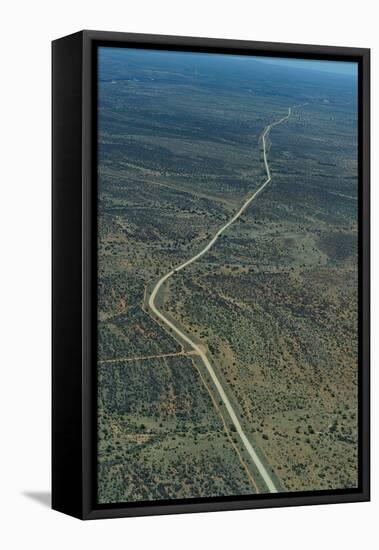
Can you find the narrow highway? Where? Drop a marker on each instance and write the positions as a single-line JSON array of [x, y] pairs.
[[249, 448]]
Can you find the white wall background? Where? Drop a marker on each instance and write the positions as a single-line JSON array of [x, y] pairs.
[[26, 31]]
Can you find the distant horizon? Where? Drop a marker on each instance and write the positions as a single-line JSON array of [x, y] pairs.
[[334, 67], [344, 68]]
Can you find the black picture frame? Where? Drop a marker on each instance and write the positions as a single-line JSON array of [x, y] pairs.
[[74, 273]]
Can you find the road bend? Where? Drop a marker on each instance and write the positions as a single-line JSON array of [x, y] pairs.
[[265, 474]]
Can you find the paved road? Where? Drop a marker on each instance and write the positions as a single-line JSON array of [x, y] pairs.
[[255, 458]]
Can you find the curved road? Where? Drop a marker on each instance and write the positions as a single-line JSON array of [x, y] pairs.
[[255, 458]]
